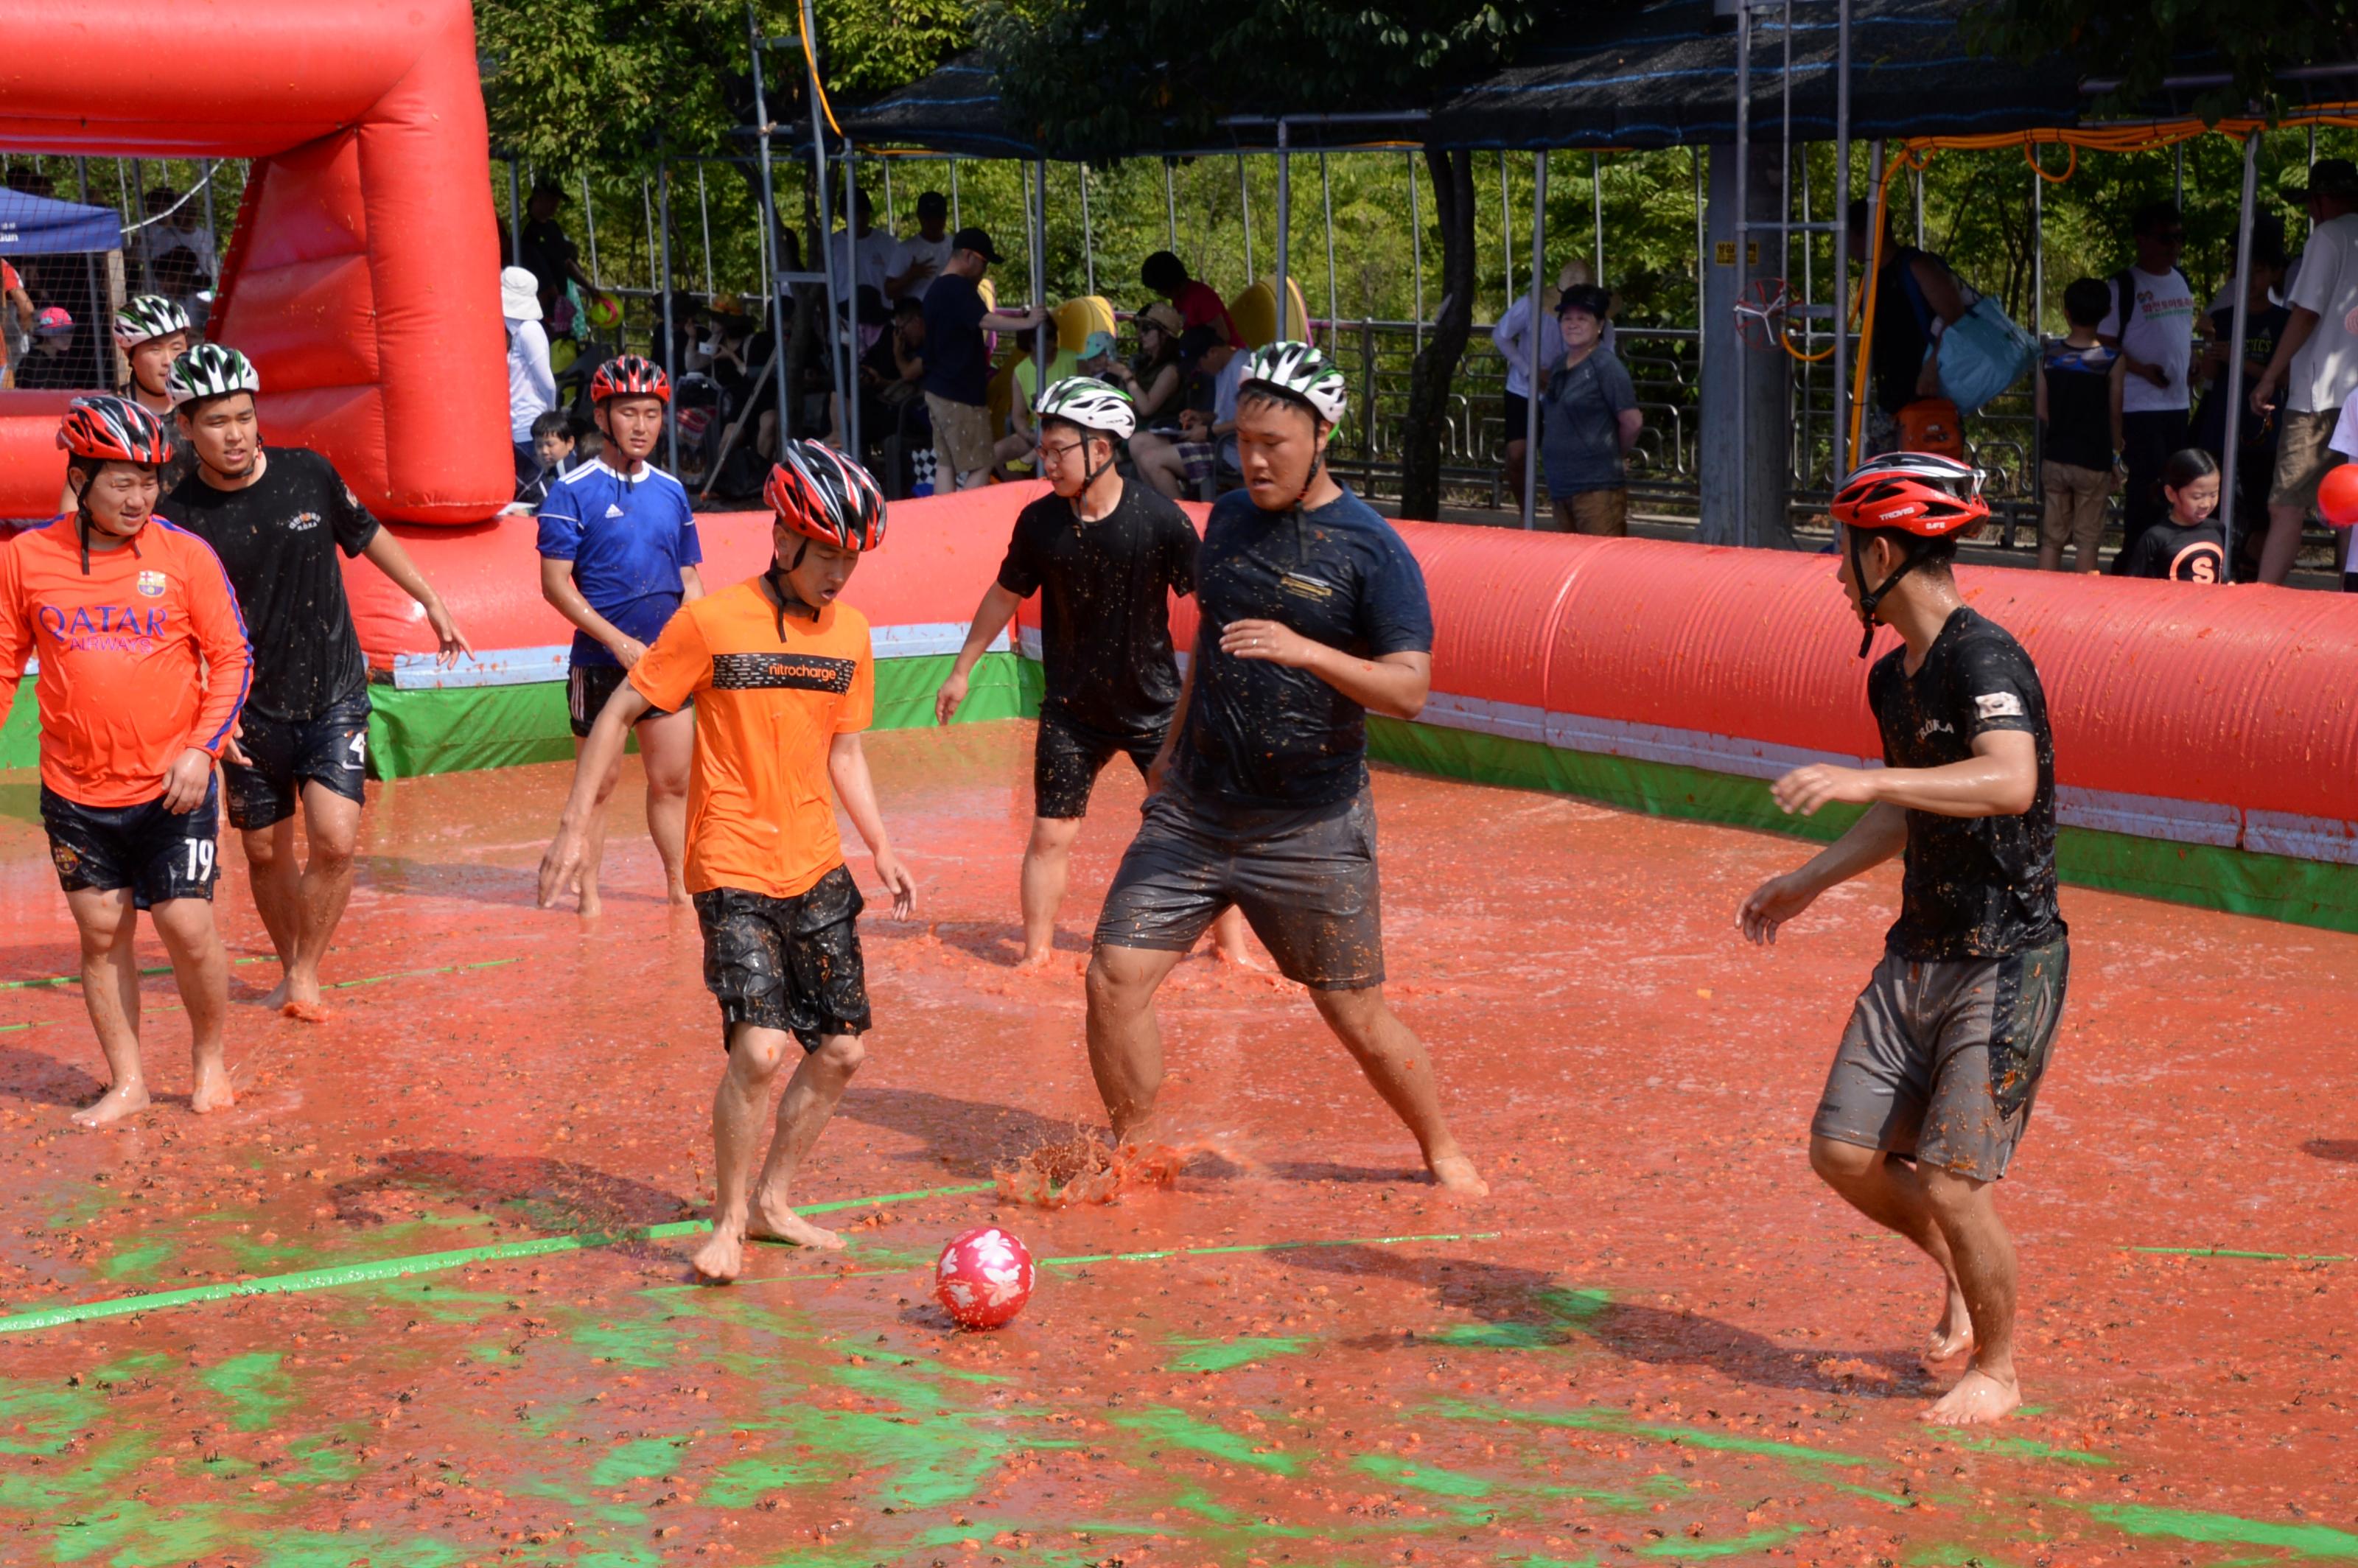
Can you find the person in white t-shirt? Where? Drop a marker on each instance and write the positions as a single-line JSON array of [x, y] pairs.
[[864, 253], [532, 386], [923, 253], [2151, 324], [2316, 361]]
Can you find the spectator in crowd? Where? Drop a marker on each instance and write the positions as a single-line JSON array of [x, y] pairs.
[[1916, 299], [923, 253], [532, 386], [1153, 379], [956, 380], [1198, 303], [1589, 420], [2186, 545], [2151, 322], [553, 449], [865, 256], [14, 301], [2315, 361], [177, 245], [1521, 330], [545, 251], [1014, 445], [1207, 447], [2078, 406], [2265, 319], [52, 365]]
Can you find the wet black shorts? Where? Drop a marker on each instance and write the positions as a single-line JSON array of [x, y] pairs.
[[1066, 759], [1516, 418], [282, 753], [587, 688], [1305, 881], [158, 855], [788, 963]]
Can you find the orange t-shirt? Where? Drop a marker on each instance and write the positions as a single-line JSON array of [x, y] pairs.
[[122, 647], [759, 815]]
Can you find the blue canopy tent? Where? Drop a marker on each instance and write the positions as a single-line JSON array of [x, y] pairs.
[[43, 226]]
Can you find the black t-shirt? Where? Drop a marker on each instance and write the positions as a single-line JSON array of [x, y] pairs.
[[1979, 887], [1259, 733], [957, 363], [1105, 606], [548, 254], [2183, 555], [277, 540]]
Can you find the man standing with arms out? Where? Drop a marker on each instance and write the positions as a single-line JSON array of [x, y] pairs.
[[276, 516], [618, 556], [144, 664], [958, 362], [2316, 361], [786, 682], [2152, 324], [1931, 1087], [1313, 612], [923, 253], [1105, 557]]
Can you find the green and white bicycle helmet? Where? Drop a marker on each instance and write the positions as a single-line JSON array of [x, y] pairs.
[[1092, 403], [146, 316], [210, 370], [1299, 372]]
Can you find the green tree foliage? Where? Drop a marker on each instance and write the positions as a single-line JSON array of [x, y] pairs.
[[2137, 41]]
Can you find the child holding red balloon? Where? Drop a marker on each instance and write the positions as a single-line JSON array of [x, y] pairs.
[[2186, 545]]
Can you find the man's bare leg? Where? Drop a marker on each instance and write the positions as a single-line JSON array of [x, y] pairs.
[[276, 878], [810, 1100], [332, 828], [110, 991], [739, 1107], [1395, 1062], [1125, 1043], [2282, 546], [1047, 865], [1985, 1265], [201, 969], [1229, 940], [593, 849], [1891, 1193], [667, 748]]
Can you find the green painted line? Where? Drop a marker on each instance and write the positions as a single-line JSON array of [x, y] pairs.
[[144, 973], [340, 1275], [1759, 1540], [413, 974], [2234, 1252], [1075, 1262], [37, 1023], [2180, 1524]]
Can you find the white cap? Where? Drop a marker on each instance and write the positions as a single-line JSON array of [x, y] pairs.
[[519, 294]]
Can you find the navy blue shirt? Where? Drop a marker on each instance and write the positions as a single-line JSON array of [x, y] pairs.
[[958, 362], [627, 539], [1258, 733]]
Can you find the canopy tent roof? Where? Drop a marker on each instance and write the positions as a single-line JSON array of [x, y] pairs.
[[1665, 76], [43, 226]]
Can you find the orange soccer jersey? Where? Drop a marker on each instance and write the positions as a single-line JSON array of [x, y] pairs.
[[122, 647], [759, 813]]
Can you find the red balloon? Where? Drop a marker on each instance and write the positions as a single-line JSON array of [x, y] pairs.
[[2337, 496], [984, 1277]]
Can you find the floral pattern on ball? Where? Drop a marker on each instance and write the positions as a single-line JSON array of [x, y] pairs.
[[984, 1278]]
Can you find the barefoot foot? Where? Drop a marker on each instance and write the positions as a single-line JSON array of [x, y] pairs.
[[1455, 1173], [776, 1222], [1976, 1401], [306, 1012], [722, 1258], [1238, 958], [1951, 1337], [277, 997], [124, 1099], [1037, 957], [212, 1090]]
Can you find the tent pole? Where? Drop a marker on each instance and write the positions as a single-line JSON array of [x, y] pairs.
[[515, 215], [89, 267], [1920, 208], [2178, 176], [670, 352], [1169, 208], [213, 235], [588, 228], [1284, 219], [1089, 235], [647, 213], [1844, 451], [1596, 204], [2037, 256], [704, 219], [1531, 371], [830, 325], [1244, 207], [1506, 232], [851, 382], [770, 231], [1039, 249], [957, 220], [892, 222], [136, 200], [1416, 249], [1702, 256], [2235, 341], [1326, 198]]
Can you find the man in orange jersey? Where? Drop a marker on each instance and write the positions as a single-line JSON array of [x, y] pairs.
[[784, 683], [143, 667]]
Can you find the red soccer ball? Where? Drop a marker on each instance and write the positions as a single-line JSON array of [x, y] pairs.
[[984, 1277], [2337, 496]]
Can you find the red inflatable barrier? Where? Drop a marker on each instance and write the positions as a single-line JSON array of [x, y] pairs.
[[363, 274]]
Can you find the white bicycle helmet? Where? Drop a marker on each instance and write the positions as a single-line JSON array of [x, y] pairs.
[[210, 370], [145, 317], [1092, 403], [1301, 373]]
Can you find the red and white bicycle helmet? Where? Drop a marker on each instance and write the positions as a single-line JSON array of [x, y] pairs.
[[108, 429], [1920, 494], [821, 494], [629, 375]]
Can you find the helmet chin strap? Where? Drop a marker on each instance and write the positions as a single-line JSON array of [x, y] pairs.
[[782, 593], [1868, 601]]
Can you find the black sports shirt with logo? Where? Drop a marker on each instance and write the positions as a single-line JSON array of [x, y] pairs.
[[278, 539], [1977, 887]]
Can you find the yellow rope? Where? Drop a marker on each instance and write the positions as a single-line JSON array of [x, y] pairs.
[[810, 57]]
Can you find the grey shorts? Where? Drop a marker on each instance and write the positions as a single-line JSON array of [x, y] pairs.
[[1305, 881], [1942, 1060]]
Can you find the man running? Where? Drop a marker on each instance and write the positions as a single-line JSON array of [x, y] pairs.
[[1105, 557], [618, 556], [143, 667], [1931, 1087], [1313, 612], [785, 680], [276, 516]]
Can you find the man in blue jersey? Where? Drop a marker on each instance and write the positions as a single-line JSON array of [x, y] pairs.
[[618, 556]]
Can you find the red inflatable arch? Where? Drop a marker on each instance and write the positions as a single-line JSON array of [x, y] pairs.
[[363, 272]]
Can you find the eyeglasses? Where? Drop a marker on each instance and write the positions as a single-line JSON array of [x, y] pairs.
[[1059, 454]]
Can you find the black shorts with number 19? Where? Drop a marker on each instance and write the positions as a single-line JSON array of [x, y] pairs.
[[159, 855]]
